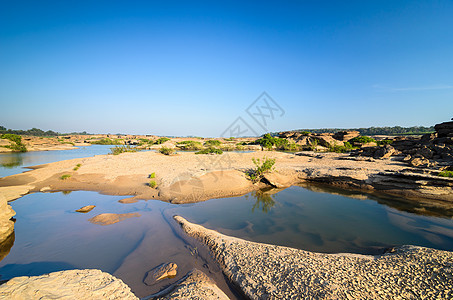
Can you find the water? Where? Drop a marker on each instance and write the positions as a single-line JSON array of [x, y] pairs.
[[51, 236], [15, 163]]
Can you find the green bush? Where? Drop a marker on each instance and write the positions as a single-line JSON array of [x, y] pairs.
[[166, 151], [77, 167], [121, 149], [212, 143], [65, 176], [268, 141], [17, 142], [261, 167], [305, 133], [107, 141], [384, 142], [446, 174], [152, 175], [189, 145], [340, 149], [210, 151], [161, 140], [153, 184], [362, 140]]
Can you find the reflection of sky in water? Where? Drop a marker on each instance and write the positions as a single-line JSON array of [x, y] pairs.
[[14, 163], [51, 236]]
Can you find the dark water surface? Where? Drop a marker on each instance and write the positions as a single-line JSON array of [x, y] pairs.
[[51, 236], [15, 163]]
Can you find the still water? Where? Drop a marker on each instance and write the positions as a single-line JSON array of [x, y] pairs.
[[51, 236], [15, 163]]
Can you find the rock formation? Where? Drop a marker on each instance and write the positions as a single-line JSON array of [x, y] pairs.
[[6, 213], [265, 271], [71, 284]]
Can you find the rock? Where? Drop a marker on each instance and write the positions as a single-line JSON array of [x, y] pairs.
[[109, 219], [278, 180], [444, 129], [345, 136], [425, 152], [419, 162], [6, 224], [264, 271], [384, 152], [195, 285], [326, 140], [128, 200], [71, 284], [86, 209], [167, 270]]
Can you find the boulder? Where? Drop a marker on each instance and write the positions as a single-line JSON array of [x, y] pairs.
[[384, 152], [345, 136], [70, 284], [444, 129], [86, 209]]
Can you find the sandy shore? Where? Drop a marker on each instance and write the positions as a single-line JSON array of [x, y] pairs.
[[187, 177]]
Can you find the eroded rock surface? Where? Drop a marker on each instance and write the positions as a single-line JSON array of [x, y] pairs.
[[196, 285], [71, 284], [6, 213], [167, 270], [273, 272]]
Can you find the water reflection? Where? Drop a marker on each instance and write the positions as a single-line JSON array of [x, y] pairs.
[[6, 245], [11, 161], [264, 200], [419, 206]]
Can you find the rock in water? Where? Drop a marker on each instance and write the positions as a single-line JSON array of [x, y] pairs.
[[71, 284], [167, 270], [109, 219], [6, 224], [86, 209]]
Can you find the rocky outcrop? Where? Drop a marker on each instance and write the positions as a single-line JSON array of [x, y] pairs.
[[6, 213], [71, 284], [196, 285], [345, 136], [444, 129], [273, 272]]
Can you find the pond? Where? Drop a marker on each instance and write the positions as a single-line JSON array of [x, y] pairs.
[[51, 236]]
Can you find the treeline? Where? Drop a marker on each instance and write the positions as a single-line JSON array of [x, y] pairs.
[[36, 132], [396, 130]]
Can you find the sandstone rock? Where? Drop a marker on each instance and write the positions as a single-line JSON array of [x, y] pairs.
[[425, 152], [345, 136], [444, 129], [384, 152], [71, 284], [6, 224], [196, 285], [86, 209], [418, 162], [109, 219], [167, 270]]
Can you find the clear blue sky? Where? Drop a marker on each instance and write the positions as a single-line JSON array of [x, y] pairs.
[[192, 68]]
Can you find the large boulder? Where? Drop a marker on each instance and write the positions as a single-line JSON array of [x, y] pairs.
[[345, 136], [70, 284], [444, 129]]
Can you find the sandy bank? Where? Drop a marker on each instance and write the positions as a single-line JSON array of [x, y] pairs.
[[273, 272], [187, 177]]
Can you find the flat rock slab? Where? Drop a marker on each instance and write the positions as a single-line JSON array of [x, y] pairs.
[[109, 219], [86, 209], [265, 271], [196, 285], [71, 284]]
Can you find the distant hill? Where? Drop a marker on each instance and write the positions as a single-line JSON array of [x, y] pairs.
[[396, 130]]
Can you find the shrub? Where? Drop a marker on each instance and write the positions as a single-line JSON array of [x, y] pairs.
[[446, 174], [161, 140], [362, 140], [261, 167], [121, 149], [313, 145], [153, 184], [17, 142], [340, 149], [166, 151], [384, 142], [152, 175], [189, 145], [267, 141], [107, 141], [212, 143], [65, 176], [210, 151], [305, 133], [77, 167]]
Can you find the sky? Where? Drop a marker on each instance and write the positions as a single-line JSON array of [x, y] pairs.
[[185, 68]]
